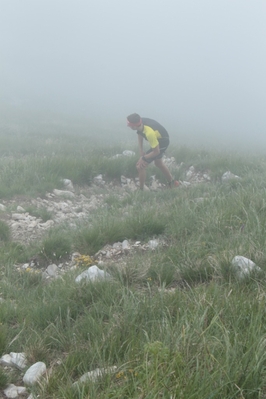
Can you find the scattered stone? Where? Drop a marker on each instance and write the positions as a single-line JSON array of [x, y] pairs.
[[170, 162], [34, 373], [190, 172], [95, 374], [47, 224], [5, 360], [18, 216], [2, 208], [93, 273], [154, 186], [244, 266], [68, 184], [52, 270], [98, 180], [229, 176], [195, 177], [125, 246], [116, 156], [185, 183], [20, 209], [124, 180], [14, 359], [125, 153], [130, 184], [25, 266], [206, 177], [153, 244], [128, 153], [26, 228], [115, 252], [12, 391], [117, 245], [63, 193], [18, 360]]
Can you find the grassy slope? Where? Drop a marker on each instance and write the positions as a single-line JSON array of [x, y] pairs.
[[203, 339]]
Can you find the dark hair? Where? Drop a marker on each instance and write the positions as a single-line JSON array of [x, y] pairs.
[[133, 118]]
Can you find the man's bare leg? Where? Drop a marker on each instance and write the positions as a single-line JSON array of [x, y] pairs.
[[142, 177], [159, 163]]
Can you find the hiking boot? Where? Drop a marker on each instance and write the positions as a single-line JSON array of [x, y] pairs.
[[173, 183]]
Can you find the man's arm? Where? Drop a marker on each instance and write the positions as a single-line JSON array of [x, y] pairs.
[[140, 140], [142, 163]]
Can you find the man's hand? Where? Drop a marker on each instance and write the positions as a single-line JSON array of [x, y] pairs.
[[141, 164]]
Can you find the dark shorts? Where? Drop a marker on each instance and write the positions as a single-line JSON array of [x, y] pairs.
[[163, 144]]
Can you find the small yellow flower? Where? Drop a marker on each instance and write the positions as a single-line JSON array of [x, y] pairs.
[[84, 260]]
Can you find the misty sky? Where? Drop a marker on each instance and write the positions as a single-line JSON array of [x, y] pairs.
[[196, 64]]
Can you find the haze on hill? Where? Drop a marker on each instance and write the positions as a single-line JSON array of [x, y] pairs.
[[198, 67]]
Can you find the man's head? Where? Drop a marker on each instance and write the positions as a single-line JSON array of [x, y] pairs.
[[134, 122]]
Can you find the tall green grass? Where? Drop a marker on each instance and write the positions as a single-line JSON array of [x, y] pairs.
[[175, 321]]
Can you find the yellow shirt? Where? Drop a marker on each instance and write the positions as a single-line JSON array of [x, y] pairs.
[[152, 136]]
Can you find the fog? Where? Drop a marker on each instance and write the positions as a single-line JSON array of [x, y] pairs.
[[196, 66]]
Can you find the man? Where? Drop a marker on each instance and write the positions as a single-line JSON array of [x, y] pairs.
[[158, 138]]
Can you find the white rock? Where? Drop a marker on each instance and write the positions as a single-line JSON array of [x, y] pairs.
[[125, 245], [2, 207], [47, 224], [244, 266], [228, 176], [18, 216], [63, 193], [117, 245], [116, 156], [99, 180], [154, 185], [128, 153], [185, 183], [6, 360], [33, 374], [132, 186], [32, 224], [99, 177], [13, 392], [206, 177], [153, 244], [19, 360], [52, 270], [124, 180], [95, 374], [68, 184], [20, 209], [190, 172], [14, 360], [92, 273]]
